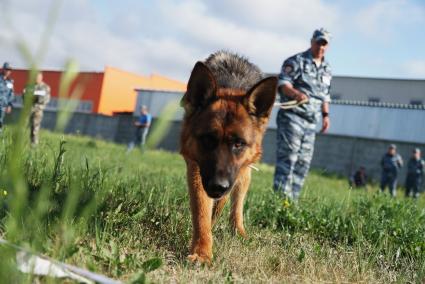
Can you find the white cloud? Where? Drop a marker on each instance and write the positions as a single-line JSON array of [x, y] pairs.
[[168, 36], [386, 19], [265, 47], [290, 17]]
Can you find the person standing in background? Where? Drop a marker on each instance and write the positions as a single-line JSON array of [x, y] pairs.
[[41, 97], [305, 79], [142, 125], [6, 93], [391, 163], [415, 173]]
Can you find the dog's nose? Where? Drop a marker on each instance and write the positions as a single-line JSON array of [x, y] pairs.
[[222, 182], [218, 187]]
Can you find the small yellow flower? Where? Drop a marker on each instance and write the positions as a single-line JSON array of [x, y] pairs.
[[4, 192], [286, 203]]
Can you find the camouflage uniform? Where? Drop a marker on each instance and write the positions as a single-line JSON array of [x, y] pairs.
[[41, 97], [391, 165], [296, 127], [6, 97], [415, 172]]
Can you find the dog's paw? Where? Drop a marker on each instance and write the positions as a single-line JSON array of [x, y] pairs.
[[199, 259], [242, 233], [239, 231]]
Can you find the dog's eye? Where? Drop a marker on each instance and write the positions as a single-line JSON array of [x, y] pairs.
[[238, 145], [208, 141]]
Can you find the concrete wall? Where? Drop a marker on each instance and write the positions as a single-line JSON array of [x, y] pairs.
[[333, 153], [344, 154], [98, 126], [373, 122]]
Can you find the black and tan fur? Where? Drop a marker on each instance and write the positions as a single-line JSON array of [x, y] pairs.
[[227, 107]]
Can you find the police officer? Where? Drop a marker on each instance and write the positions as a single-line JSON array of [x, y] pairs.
[[415, 172], [6, 92], [304, 78], [41, 97], [391, 163]]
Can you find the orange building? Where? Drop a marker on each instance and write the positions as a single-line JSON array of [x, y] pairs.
[[102, 92]]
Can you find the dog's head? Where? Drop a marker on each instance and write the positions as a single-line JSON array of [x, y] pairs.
[[223, 128]]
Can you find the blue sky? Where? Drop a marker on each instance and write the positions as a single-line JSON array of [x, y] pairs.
[[380, 38]]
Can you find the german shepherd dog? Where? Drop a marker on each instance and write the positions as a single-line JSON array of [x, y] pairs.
[[227, 106]]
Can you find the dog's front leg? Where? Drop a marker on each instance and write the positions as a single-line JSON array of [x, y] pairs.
[[238, 198], [201, 208]]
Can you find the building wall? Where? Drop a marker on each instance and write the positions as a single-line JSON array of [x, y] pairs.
[[374, 122], [343, 155], [385, 90], [157, 100], [102, 92], [89, 82], [118, 91]]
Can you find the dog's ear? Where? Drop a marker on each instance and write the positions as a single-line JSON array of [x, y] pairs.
[[201, 88], [261, 97]]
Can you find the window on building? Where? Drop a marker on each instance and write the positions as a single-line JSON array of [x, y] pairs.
[[416, 102], [374, 100]]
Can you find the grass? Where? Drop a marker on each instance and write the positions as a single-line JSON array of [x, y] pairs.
[[87, 202]]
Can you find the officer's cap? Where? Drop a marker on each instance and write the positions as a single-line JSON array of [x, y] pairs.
[[416, 150], [6, 66], [321, 34], [392, 146]]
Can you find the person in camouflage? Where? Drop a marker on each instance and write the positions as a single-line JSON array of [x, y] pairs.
[[415, 173], [41, 97], [391, 163], [305, 78], [6, 92]]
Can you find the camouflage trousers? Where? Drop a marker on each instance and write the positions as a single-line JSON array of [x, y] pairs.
[[35, 123], [295, 145]]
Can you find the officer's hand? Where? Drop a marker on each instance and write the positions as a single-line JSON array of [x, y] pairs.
[[9, 109], [300, 97], [325, 124]]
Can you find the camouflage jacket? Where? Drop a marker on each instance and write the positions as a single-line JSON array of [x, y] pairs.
[[6, 92], [314, 81], [41, 94]]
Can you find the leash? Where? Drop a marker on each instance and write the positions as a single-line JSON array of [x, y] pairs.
[[290, 104]]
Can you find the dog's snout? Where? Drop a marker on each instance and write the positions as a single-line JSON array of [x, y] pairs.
[[222, 182], [218, 187]]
